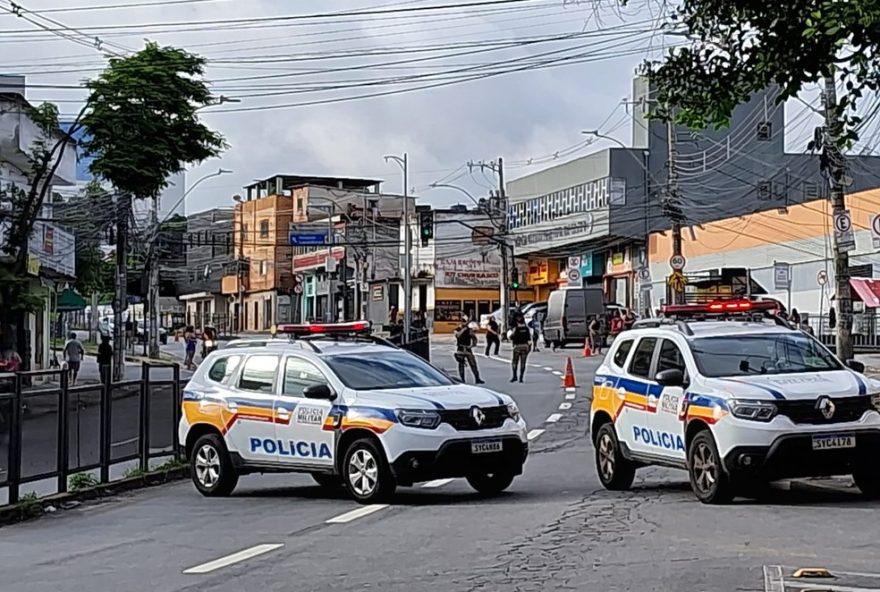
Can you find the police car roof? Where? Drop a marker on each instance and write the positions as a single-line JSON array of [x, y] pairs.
[[318, 346], [709, 328]]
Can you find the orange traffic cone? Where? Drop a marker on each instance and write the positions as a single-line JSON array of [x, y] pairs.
[[568, 379], [587, 351]]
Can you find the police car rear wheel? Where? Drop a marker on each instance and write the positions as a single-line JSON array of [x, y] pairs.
[[709, 482], [615, 472], [490, 483], [366, 473], [212, 470]]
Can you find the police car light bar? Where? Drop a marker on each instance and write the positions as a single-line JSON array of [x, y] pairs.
[[719, 306], [325, 328]]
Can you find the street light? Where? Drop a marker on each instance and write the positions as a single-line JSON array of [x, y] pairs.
[[403, 163]]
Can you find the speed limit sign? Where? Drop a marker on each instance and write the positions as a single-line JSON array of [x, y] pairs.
[[677, 262]]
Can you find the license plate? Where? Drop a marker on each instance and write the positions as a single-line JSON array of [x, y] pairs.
[[484, 447], [834, 442]]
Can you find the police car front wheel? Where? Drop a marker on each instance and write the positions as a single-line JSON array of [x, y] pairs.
[[366, 473], [212, 470], [615, 472], [710, 483]]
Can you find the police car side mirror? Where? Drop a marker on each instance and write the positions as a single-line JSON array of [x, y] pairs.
[[670, 377], [855, 365], [319, 391]]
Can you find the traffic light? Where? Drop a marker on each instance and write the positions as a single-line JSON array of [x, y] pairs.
[[514, 279], [426, 226]]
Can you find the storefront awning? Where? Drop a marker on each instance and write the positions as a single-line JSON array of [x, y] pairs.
[[70, 301], [868, 291]]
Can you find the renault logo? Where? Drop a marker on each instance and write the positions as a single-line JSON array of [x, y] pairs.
[[826, 407], [478, 415]]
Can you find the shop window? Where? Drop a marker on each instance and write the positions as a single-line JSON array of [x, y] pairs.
[[448, 311], [470, 309], [484, 307]]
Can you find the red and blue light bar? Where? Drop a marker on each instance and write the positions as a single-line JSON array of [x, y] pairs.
[[324, 328], [719, 306]]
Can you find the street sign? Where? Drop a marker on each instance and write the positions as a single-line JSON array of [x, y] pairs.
[[781, 276], [875, 230], [298, 289], [677, 281], [307, 239], [300, 278], [644, 275], [574, 275], [677, 262], [574, 263], [822, 277], [843, 231]]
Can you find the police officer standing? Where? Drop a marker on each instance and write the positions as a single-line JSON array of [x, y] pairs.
[[465, 340], [521, 338]]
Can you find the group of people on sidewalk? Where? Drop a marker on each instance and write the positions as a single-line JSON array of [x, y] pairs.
[[523, 338]]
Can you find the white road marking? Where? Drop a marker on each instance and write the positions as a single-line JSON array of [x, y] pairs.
[[564, 406], [557, 373], [825, 587], [437, 483], [570, 396], [355, 514], [125, 442], [554, 418], [233, 559], [496, 358], [534, 434], [570, 389], [773, 581], [548, 368]]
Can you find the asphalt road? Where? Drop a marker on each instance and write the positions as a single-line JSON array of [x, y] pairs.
[[556, 529]]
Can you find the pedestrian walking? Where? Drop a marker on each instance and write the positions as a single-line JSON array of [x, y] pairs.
[[492, 335], [105, 359], [190, 341], [521, 338], [73, 353], [465, 340], [595, 335]]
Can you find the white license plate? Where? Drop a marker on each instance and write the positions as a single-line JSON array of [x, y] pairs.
[[484, 447], [834, 442]]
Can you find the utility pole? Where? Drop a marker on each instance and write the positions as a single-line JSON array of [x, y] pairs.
[[837, 169], [123, 211], [153, 293], [407, 247], [673, 208], [506, 250]]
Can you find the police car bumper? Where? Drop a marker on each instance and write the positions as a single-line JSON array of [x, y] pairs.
[[462, 457]]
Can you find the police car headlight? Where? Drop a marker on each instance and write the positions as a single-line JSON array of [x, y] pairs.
[[513, 412], [875, 401], [754, 410], [419, 418]]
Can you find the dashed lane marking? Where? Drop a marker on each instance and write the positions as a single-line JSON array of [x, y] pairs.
[[548, 368], [564, 406], [242, 555], [437, 483], [553, 418], [570, 396], [557, 373], [534, 434], [355, 514], [570, 389]]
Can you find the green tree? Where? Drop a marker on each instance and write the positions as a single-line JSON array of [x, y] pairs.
[[740, 47], [143, 125]]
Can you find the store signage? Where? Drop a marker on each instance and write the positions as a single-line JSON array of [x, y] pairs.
[[539, 272], [555, 235], [583, 198], [587, 264], [781, 276]]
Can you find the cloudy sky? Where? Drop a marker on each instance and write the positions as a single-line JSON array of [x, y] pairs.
[[513, 78]]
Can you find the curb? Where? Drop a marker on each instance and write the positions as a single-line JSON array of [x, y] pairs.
[[22, 512]]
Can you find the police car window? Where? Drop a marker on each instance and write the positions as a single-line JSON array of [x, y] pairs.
[[641, 360], [385, 370], [300, 373], [222, 368], [670, 357], [258, 374], [622, 352]]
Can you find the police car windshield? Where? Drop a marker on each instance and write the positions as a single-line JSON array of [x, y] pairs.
[[773, 353], [385, 370]]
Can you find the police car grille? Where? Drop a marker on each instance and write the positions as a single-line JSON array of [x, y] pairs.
[[846, 409], [463, 419]]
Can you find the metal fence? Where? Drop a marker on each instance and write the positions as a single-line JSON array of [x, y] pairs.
[[50, 430], [864, 331]]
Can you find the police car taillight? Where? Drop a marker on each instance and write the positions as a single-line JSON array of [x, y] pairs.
[[324, 328]]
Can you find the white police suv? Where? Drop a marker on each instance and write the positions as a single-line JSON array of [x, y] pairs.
[[349, 409], [735, 399]]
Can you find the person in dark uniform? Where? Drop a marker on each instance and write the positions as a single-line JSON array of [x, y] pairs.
[[465, 340], [521, 338], [492, 336]]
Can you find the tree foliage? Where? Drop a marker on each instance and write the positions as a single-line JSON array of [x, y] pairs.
[[740, 47], [143, 124]]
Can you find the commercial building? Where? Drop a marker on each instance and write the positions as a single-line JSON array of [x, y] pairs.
[[51, 249], [209, 256], [596, 212]]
